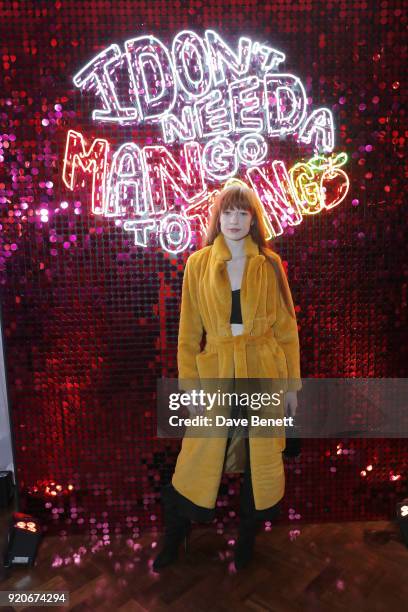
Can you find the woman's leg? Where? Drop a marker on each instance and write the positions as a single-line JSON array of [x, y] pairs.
[[250, 517], [176, 529], [246, 499], [247, 517]]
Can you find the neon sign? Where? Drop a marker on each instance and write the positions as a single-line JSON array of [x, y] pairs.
[[216, 109]]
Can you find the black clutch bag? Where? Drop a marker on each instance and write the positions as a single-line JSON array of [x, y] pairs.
[[293, 447]]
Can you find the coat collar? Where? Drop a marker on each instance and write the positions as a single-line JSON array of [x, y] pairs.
[[222, 252], [220, 286]]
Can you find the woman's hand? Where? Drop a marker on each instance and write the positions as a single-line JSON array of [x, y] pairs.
[[291, 403], [194, 408]]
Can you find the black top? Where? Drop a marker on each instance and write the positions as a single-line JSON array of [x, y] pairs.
[[236, 315]]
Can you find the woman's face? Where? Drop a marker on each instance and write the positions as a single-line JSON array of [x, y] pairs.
[[235, 223]]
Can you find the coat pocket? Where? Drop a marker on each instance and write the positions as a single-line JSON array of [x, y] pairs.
[[274, 361], [207, 364], [283, 364]]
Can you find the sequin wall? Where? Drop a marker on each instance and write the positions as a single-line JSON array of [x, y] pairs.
[[90, 319]]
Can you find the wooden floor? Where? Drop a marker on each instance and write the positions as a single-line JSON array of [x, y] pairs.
[[350, 567]]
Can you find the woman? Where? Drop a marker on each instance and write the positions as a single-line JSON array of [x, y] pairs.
[[236, 291]]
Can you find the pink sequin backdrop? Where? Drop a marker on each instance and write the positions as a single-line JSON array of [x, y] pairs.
[[90, 320]]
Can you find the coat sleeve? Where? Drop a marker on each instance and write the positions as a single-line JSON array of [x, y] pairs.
[[190, 331], [286, 329]]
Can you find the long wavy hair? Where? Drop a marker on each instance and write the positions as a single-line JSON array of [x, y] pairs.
[[237, 195]]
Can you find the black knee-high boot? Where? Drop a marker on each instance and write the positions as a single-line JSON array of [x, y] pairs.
[[177, 529], [248, 522]]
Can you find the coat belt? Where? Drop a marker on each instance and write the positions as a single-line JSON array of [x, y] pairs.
[[238, 344]]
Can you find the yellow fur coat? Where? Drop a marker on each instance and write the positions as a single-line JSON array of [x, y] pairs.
[[268, 348]]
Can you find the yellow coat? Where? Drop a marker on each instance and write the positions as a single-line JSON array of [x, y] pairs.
[[267, 348]]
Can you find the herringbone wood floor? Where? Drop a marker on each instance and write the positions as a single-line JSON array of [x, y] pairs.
[[328, 567]]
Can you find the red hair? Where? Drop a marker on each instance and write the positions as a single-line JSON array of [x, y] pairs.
[[237, 195]]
